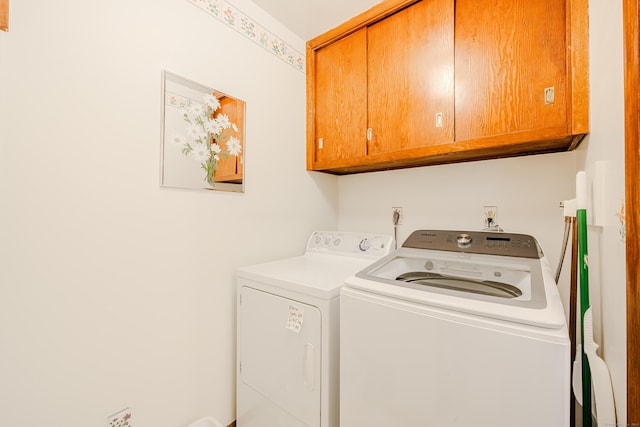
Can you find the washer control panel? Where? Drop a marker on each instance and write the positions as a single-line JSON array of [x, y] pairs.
[[478, 242], [363, 245]]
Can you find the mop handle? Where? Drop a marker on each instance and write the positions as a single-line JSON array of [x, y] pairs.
[[583, 268]]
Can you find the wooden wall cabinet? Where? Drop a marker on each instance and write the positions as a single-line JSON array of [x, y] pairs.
[[341, 100], [230, 168], [412, 83], [410, 79]]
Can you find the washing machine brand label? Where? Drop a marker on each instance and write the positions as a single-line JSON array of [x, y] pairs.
[[296, 319]]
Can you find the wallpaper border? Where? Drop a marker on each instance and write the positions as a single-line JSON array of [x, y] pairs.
[[233, 17]]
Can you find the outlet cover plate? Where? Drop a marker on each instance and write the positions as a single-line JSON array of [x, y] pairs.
[[400, 214]]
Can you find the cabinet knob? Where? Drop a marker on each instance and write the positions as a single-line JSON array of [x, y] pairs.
[[369, 134]]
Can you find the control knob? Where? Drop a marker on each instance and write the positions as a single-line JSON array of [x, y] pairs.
[[364, 245], [464, 240]]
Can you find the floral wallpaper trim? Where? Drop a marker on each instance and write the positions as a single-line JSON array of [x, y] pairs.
[[179, 101], [121, 419], [248, 27]]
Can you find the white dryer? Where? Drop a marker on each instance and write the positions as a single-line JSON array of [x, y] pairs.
[[288, 331], [455, 329]]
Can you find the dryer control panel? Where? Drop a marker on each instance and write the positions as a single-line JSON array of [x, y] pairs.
[[477, 242], [362, 245]]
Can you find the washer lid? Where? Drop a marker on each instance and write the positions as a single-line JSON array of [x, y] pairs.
[[498, 279], [516, 289]]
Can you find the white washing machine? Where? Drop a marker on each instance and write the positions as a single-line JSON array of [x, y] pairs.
[[454, 329], [288, 331]]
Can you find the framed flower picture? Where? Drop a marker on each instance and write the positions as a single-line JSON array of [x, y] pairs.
[[202, 137]]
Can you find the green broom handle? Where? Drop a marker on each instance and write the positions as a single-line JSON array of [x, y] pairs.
[[584, 305], [583, 267]]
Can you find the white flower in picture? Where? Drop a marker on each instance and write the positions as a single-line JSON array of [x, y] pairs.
[[213, 126], [216, 150], [233, 146], [212, 102], [179, 140], [224, 121], [196, 133], [197, 110], [205, 133], [200, 153]]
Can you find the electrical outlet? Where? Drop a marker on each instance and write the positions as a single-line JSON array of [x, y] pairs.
[[490, 215], [396, 212], [120, 419]]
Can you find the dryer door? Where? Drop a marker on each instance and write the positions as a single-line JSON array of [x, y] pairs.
[[280, 352]]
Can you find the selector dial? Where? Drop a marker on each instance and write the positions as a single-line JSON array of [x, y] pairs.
[[464, 240], [364, 245]]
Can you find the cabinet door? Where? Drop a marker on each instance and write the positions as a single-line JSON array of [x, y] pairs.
[[230, 168], [410, 82], [508, 53], [341, 99]]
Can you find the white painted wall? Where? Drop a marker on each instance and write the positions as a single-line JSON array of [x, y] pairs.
[[115, 292], [604, 148], [527, 191]]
